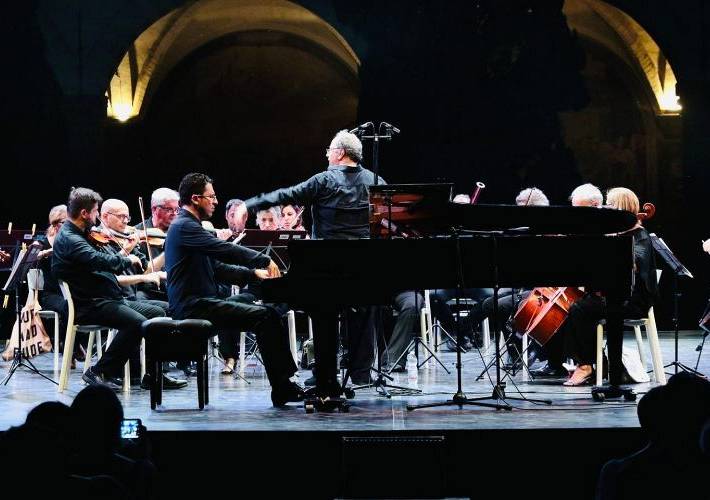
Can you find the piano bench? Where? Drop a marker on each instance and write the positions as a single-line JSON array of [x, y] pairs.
[[176, 340]]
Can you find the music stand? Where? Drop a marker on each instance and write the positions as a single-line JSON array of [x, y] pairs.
[[273, 244], [25, 258], [678, 270]]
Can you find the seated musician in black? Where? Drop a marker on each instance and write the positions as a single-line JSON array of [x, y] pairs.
[[50, 297], [114, 220], [586, 195], [581, 324], [339, 200], [195, 260], [97, 295]]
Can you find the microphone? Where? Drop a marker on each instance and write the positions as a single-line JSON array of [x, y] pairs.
[[361, 128], [391, 127]]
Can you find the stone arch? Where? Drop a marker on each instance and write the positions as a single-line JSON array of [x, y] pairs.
[[632, 125], [152, 56], [620, 34]]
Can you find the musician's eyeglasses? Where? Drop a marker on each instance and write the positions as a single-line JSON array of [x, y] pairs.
[[328, 150], [212, 197], [123, 217], [57, 222], [175, 210]]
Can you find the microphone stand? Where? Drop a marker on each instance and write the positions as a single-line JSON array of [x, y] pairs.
[[380, 383]]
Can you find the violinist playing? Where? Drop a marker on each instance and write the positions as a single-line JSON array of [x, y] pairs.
[[580, 335], [122, 239], [114, 224], [98, 298]]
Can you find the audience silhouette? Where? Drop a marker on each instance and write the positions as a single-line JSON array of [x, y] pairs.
[[672, 464]]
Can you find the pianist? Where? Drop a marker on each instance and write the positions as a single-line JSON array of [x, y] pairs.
[[195, 260]]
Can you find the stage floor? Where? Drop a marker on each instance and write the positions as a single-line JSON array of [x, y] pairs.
[[236, 405]]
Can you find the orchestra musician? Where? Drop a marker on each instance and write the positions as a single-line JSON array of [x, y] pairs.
[[164, 208], [291, 218], [50, 297], [580, 327], [195, 260], [339, 200], [268, 219], [586, 195], [96, 292], [114, 218], [234, 224]]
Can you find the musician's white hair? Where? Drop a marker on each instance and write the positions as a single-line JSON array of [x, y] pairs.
[[275, 211], [161, 195], [349, 143], [587, 192], [532, 197]]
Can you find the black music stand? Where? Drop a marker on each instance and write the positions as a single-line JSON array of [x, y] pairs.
[[25, 259], [678, 270], [273, 244]]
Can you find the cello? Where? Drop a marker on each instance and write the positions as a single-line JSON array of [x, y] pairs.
[[546, 308]]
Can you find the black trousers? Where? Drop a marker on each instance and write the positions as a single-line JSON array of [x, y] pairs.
[[229, 338], [580, 329], [55, 302], [407, 305], [264, 321], [124, 315], [359, 326]]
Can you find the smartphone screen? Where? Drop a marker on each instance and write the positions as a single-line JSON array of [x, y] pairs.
[[129, 428]]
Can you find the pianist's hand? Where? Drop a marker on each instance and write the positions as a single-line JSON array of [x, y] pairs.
[[224, 234], [262, 274], [706, 245], [273, 269]]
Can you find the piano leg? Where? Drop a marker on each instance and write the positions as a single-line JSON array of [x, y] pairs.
[[327, 394], [615, 339]]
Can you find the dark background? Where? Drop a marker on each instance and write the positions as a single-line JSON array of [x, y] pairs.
[[493, 90]]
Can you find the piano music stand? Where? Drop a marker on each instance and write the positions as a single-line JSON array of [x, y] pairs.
[[273, 244], [25, 259], [678, 270]]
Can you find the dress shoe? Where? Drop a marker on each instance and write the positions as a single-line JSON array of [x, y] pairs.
[[288, 392], [310, 381], [395, 369], [549, 372], [168, 382], [93, 378]]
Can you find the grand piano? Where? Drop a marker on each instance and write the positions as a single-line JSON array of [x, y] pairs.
[[466, 245]]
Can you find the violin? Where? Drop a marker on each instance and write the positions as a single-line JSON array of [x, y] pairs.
[[154, 236], [98, 237]]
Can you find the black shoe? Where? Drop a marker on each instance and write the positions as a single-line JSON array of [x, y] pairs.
[[93, 378], [289, 392], [549, 371], [395, 369], [310, 381], [168, 382]]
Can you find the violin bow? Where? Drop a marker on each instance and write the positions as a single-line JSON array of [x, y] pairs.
[[145, 235]]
